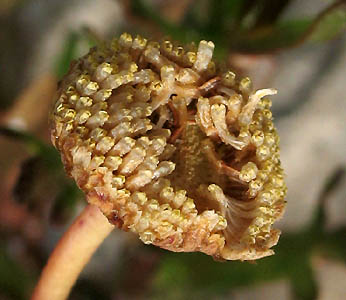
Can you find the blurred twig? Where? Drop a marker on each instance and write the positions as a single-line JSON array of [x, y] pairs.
[[318, 20]]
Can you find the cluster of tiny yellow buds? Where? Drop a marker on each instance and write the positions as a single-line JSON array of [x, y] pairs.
[[172, 148]]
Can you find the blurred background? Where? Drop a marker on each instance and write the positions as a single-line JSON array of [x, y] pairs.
[[298, 47]]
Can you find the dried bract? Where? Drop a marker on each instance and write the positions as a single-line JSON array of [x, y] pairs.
[[172, 148]]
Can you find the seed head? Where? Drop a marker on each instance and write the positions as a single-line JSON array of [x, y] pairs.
[[172, 148]]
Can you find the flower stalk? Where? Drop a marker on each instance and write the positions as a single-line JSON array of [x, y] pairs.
[[71, 254]]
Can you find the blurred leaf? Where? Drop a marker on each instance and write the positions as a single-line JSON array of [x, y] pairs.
[[330, 243], [15, 281], [90, 36], [334, 245], [223, 22], [192, 271], [182, 34], [35, 146], [70, 50], [46, 190], [330, 25], [65, 202], [333, 181], [269, 11], [85, 289], [37, 184], [222, 15], [270, 38], [141, 8], [31, 141], [42, 179], [303, 281], [228, 24], [67, 55]]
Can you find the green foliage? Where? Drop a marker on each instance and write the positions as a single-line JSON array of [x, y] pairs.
[[331, 25], [283, 35], [68, 53], [247, 26], [65, 202], [70, 49], [175, 31], [35, 147], [15, 281]]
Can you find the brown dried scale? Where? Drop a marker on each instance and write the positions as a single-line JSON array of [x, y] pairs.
[[171, 148]]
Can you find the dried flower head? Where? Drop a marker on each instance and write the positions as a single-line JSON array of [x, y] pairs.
[[172, 148]]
